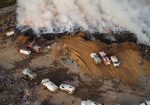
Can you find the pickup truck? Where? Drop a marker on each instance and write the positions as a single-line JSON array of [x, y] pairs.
[[115, 61], [104, 58], [31, 75], [96, 58]]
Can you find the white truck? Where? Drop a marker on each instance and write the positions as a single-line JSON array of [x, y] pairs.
[[104, 58], [96, 58], [89, 102], [115, 61], [49, 85], [68, 88], [10, 33], [24, 51], [31, 75], [146, 103]]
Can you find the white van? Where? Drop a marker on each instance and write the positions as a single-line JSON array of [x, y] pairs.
[[49, 85]]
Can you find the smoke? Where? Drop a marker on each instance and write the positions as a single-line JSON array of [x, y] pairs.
[[57, 16]]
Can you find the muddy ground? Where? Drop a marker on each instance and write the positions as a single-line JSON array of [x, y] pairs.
[[58, 64]]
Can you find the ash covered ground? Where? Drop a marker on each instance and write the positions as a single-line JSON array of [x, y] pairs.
[[67, 62]]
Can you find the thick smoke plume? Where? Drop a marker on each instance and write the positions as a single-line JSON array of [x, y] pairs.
[[57, 16]]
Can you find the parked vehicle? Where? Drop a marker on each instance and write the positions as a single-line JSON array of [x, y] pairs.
[[10, 33], [146, 103], [68, 88], [34, 48], [31, 75], [24, 51], [104, 58], [49, 85], [89, 102], [96, 58], [115, 61]]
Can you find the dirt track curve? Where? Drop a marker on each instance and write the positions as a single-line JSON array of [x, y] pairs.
[[130, 69]]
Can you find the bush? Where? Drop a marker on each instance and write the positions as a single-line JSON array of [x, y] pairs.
[[5, 3]]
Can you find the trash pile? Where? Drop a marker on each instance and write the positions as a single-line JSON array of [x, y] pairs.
[[8, 24], [14, 89]]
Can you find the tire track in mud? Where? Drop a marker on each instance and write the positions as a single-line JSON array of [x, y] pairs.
[[128, 53], [84, 58]]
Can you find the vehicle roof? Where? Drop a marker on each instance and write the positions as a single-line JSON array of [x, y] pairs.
[[24, 49], [114, 59], [50, 85], [92, 54], [36, 47], [83, 103], [102, 53], [68, 87]]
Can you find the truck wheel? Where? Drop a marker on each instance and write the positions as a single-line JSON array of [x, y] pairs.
[[43, 87], [25, 77]]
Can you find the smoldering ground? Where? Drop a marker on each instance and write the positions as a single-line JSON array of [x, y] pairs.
[[57, 16]]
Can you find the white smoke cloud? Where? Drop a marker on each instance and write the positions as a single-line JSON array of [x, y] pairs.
[[57, 16]]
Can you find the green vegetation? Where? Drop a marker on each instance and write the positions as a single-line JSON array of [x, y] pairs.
[[5, 3]]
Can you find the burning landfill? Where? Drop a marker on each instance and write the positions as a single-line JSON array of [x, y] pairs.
[[55, 16], [86, 50]]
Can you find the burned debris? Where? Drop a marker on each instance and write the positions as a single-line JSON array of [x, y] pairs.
[[145, 49], [13, 89]]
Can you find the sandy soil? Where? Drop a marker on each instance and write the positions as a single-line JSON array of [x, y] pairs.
[[58, 66], [130, 56]]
